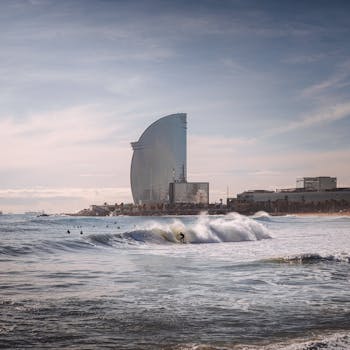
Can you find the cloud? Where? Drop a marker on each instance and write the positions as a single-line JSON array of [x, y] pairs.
[[244, 164], [234, 66], [80, 147], [323, 116], [305, 58], [47, 137], [133, 61], [338, 79], [46, 193], [97, 175], [223, 142], [265, 172], [205, 150], [55, 200]]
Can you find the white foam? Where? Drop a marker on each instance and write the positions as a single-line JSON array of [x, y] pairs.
[[232, 227], [336, 341], [261, 214]]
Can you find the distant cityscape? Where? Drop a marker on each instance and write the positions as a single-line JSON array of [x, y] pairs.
[[159, 183], [311, 194]]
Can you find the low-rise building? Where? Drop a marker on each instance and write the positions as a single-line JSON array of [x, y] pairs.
[[189, 192], [319, 183], [311, 194]]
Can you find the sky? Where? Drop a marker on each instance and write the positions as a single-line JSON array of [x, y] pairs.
[[265, 85]]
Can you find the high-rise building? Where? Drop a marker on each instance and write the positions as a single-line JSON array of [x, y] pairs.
[[159, 159]]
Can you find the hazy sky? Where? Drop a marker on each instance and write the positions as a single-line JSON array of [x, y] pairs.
[[265, 85]]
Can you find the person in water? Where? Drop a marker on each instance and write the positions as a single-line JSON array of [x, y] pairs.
[[181, 237]]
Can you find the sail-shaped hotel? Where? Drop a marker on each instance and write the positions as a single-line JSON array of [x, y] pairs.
[[159, 168]]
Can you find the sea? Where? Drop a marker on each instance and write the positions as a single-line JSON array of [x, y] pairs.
[[190, 282]]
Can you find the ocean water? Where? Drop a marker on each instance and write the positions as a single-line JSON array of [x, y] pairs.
[[232, 282]]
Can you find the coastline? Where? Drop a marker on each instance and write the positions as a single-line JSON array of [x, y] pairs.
[[223, 211], [313, 214]]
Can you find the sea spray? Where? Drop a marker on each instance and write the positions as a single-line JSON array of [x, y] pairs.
[[261, 215], [232, 227]]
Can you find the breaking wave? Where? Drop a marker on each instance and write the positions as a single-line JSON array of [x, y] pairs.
[[205, 229], [261, 215], [229, 228]]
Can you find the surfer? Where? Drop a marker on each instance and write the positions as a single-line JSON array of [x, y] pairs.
[[181, 237], [68, 231]]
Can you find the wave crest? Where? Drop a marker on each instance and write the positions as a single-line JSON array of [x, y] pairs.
[[232, 227], [261, 215]]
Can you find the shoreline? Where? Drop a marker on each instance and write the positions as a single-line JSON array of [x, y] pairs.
[[222, 212], [343, 213]]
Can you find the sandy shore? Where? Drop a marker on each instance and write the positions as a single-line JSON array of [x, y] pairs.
[[341, 213]]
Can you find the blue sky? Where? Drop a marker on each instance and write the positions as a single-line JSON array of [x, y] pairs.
[[265, 85]]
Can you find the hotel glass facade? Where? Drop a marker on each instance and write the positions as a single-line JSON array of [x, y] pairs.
[[159, 158]]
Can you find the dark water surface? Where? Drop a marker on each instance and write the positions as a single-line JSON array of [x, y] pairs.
[[129, 283]]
